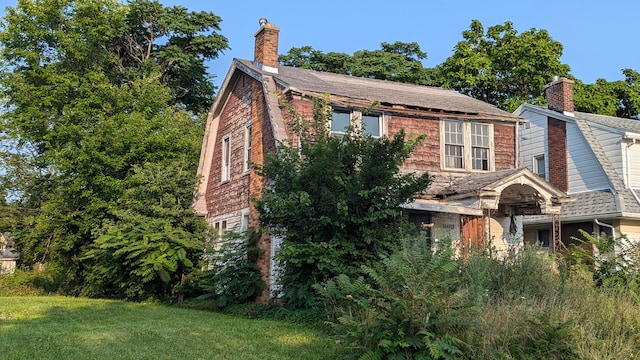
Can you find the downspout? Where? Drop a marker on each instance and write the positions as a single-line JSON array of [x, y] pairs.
[[613, 230]]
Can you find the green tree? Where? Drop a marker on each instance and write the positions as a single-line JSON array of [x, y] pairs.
[[616, 98], [502, 67], [401, 62], [95, 90], [335, 201]]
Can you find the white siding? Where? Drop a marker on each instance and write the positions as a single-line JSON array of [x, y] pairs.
[[632, 178], [533, 140], [585, 172], [611, 143]]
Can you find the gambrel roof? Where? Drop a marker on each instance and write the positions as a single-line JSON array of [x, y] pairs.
[[619, 200]]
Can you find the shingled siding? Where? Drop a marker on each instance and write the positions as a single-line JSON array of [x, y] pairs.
[[427, 156], [232, 195], [504, 146]]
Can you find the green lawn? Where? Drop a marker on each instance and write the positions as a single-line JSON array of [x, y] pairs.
[[77, 328]]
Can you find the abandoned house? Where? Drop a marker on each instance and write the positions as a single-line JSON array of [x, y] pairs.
[[480, 194]]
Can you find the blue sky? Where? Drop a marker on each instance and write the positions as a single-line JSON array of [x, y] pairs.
[[600, 37]]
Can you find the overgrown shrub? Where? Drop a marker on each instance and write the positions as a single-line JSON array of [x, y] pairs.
[[522, 273], [409, 306], [233, 277]]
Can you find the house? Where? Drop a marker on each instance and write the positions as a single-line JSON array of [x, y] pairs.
[[594, 158], [480, 192]]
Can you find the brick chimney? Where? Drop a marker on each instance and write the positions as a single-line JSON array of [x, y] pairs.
[[559, 94], [266, 47]]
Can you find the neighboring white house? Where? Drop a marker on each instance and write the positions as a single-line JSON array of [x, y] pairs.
[[594, 158]]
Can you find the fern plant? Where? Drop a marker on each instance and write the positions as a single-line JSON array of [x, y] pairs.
[[408, 307]]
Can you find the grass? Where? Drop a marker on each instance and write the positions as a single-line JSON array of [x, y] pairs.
[[55, 327]]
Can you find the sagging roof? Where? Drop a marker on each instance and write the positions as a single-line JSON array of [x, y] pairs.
[[389, 93]]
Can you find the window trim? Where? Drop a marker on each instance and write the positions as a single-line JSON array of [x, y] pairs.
[[536, 168], [225, 161], [248, 135], [467, 147]]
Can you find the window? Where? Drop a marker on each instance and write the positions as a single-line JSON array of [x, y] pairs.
[[539, 166], [247, 148], [340, 121], [371, 124], [480, 146], [544, 237], [226, 158], [467, 146], [454, 144]]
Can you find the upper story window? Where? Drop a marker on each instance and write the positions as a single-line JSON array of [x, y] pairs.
[[247, 147], [370, 123], [226, 158], [480, 146], [467, 146], [539, 166]]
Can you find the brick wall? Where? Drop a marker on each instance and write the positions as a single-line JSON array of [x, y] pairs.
[[557, 135]]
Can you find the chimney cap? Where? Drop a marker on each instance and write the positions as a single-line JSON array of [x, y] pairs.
[[263, 21]]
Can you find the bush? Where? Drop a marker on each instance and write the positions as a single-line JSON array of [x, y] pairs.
[[409, 306], [234, 277]]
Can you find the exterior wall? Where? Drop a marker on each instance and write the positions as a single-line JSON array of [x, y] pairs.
[[7, 266], [427, 157], [611, 143], [585, 172], [534, 140], [232, 195], [505, 146], [631, 161], [629, 228]]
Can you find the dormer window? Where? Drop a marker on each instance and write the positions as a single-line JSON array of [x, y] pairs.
[[467, 146], [369, 123]]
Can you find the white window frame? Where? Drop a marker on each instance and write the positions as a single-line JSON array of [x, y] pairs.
[[355, 118], [225, 171], [536, 166], [467, 145], [248, 134]]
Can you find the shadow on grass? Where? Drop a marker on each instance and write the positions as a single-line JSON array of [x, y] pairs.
[[74, 328]]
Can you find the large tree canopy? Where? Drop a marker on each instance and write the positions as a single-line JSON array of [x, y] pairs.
[[399, 61], [616, 98], [95, 92], [502, 67]]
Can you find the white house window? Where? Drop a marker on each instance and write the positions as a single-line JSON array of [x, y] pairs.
[[467, 146], [480, 146], [539, 166], [454, 144], [370, 123], [247, 147], [226, 157]]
